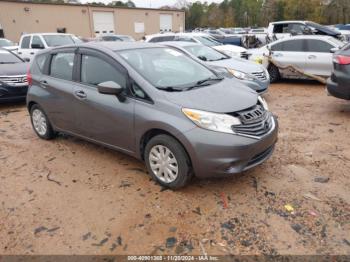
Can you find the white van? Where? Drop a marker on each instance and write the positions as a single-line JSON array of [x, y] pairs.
[[30, 44]]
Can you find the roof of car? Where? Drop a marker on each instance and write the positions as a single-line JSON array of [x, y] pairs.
[[118, 46], [289, 22], [180, 43]]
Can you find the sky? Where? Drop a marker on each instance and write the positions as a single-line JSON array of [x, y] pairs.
[[151, 3]]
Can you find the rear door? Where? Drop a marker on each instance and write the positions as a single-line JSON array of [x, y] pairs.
[[24, 47], [290, 52], [103, 118], [319, 57], [57, 87]]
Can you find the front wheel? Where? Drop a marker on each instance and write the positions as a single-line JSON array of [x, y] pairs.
[[41, 123], [168, 162], [274, 73]]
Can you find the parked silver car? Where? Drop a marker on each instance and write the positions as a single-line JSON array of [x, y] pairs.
[[310, 53], [153, 103], [253, 75]]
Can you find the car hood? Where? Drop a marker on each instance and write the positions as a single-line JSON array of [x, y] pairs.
[[227, 96], [237, 64], [13, 69], [11, 48]]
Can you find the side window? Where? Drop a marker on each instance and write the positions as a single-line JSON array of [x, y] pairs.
[[277, 47], [138, 92], [185, 39], [293, 46], [318, 46], [280, 28], [95, 71], [62, 66], [296, 28], [40, 60], [25, 42], [37, 43]]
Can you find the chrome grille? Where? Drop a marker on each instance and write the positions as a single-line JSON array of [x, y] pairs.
[[260, 75], [255, 122], [19, 80]]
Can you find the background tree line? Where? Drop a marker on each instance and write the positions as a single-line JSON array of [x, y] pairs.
[[242, 13]]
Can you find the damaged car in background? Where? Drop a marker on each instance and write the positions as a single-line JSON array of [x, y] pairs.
[[311, 54]]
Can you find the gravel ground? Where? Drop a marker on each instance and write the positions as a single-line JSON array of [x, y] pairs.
[[68, 196]]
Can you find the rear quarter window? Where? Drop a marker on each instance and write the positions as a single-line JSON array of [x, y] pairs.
[[39, 63]]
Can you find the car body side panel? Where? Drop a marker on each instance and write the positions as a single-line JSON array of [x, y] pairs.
[[104, 118], [319, 63]]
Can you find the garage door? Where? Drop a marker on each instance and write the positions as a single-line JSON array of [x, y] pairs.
[[103, 22], [166, 23]]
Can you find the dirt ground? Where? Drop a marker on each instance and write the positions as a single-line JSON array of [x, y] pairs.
[[68, 196]]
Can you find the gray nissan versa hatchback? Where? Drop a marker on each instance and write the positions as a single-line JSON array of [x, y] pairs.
[[154, 103]]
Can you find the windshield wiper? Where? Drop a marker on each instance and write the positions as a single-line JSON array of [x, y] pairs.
[[204, 82], [170, 88], [210, 79]]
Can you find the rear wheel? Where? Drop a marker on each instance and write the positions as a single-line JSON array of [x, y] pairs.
[[167, 162], [41, 123], [274, 73]]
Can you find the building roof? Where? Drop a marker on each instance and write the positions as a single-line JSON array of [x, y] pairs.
[[92, 5]]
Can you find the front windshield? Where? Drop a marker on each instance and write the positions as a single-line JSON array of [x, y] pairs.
[[7, 57], [166, 67], [205, 53], [208, 41], [58, 40], [5, 42], [322, 28]]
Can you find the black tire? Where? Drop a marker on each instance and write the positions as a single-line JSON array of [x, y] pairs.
[[184, 174], [274, 73], [49, 133]]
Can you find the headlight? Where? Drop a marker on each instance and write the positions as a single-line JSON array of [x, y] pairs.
[[240, 75], [212, 121], [263, 103]]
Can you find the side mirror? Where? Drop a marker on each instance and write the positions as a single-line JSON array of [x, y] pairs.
[[110, 88], [37, 46], [333, 50]]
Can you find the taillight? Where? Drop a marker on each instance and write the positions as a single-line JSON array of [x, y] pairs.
[[29, 78], [341, 60]]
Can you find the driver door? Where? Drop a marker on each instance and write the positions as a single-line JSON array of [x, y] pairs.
[[101, 117]]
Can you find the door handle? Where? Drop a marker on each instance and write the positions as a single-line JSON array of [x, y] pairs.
[[32, 53], [312, 56], [80, 94], [278, 55], [44, 83], [19, 53]]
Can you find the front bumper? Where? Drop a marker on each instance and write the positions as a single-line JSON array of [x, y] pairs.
[[12, 93], [338, 91], [215, 154]]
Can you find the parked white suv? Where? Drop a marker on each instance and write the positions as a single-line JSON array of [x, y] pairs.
[[311, 53], [200, 38], [30, 44]]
